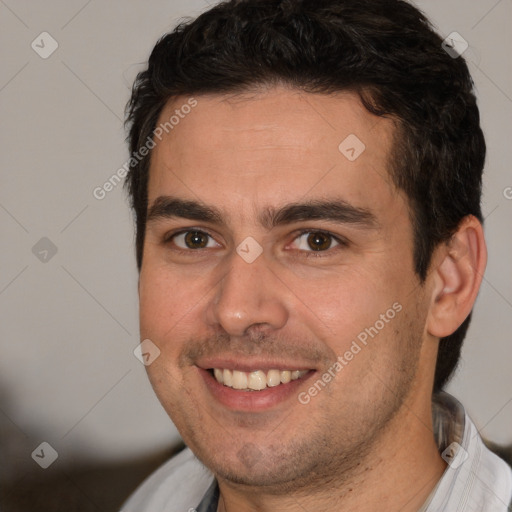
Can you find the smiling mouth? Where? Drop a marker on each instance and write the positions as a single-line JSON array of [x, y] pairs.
[[256, 380]]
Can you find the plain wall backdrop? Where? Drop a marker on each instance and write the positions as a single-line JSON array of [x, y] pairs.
[[69, 319]]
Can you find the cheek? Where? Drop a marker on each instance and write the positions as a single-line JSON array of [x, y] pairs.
[[357, 315], [165, 302], [341, 304], [155, 302], [161, 320]]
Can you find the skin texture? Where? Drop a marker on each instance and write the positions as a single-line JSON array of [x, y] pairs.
[[364, 441]]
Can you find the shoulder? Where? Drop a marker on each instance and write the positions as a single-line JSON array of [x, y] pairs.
[[475, 479], [178, 485], [496, 476], [478, 480]]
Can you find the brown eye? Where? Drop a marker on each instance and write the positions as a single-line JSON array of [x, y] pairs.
[[315, 241], [319, 241], [194, 240]]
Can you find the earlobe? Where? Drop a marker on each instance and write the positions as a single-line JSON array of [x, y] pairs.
[[457, 278]]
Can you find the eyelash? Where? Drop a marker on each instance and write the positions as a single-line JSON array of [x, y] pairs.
[[168, 240], [343, 243]]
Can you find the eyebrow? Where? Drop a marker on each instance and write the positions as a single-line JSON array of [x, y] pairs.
[[339, 211], [167, 207]]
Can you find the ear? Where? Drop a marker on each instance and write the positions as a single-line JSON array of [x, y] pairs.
[[458, 272]]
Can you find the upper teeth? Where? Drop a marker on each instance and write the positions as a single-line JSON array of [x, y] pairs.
[[256, 380]]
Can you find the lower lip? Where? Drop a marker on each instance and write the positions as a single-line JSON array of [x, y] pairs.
[[251, 401]]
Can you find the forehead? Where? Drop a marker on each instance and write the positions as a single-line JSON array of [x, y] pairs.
[[271, 147]]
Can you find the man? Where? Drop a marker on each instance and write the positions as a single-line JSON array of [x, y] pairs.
[[306, 179]]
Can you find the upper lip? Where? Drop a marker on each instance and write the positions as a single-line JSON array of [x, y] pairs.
[[249, 365]]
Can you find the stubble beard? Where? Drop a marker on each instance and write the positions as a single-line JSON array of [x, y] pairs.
[[326, 455], [331, 448]]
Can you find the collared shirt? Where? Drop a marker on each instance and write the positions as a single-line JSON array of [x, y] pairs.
[[210, 501], [475, 479]]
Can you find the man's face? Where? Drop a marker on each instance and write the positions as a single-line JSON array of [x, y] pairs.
[[272, 249]]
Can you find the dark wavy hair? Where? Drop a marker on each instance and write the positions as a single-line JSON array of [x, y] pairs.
[[384, 50]]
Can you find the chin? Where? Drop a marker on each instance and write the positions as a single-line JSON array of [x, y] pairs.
[[258, 466]]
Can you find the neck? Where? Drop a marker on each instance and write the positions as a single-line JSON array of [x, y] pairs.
[[397, 473]]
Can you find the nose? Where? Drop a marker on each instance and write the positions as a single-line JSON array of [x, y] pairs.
[[249, 295]]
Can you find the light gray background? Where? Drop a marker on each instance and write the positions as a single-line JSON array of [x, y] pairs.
[[69, 326]]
